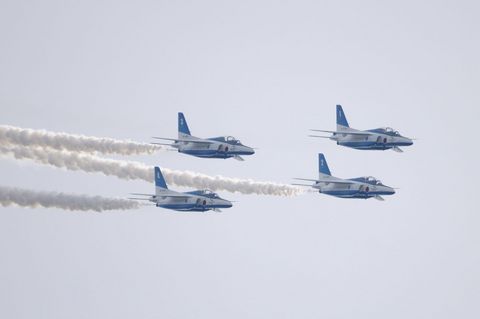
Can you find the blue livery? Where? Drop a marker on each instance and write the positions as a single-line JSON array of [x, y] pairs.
[[374, 139]]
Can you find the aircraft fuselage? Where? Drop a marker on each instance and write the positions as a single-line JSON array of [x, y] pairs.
[[373, 141], [353, 190]]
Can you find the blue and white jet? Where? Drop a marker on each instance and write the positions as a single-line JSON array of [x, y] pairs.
[[360, 187], [215, 147], [195, 201], [375, 139]]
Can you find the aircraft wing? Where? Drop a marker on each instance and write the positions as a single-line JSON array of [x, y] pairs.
[[319, 136], [165, 138], [333, 181], [179, 195], [176, 195], [364, 133], [190, 140]]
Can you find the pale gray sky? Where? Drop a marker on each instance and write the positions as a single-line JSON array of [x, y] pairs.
[[265, 72]]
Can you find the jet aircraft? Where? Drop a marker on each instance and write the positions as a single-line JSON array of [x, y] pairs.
[[195, 201], [375, 139], [215, 147], [360, 187]]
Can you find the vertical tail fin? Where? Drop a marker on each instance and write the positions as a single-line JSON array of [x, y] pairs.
[[159, 180], [342, 122], [182, 125], [322, 165]]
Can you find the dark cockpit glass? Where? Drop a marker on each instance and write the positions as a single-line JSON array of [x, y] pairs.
[[209, 193], [373, 180], [391, 130], [233, 140]]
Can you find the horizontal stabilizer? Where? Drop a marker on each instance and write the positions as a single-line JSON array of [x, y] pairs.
[[141, 194], [306, 185], [165, 138], [166, 144], [305, 179]]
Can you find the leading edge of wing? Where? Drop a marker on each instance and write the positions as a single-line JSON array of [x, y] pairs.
[[333, 181], [345, 132], [183, 140]]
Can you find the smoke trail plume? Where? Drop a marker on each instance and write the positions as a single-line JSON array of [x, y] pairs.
[[134, 170], [28, 198], [72, 142]]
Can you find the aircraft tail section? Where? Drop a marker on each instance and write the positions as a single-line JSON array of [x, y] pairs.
[[323, 166], [160, 183], [342, 122], [183, 129]]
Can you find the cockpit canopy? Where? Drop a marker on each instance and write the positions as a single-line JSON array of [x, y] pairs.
[[209, 193], [391, 131], [232, 140], [386, 130], [204, 192], [227, 139], [372, 180]]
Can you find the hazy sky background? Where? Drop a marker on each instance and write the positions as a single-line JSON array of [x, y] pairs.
[[264, 72]]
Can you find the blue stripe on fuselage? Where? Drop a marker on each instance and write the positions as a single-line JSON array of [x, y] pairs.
[[353, 194], [213, 154], [191, 207], [372, 145]]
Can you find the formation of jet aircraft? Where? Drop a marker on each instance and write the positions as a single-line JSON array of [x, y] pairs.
[[359, 187], [230, 147], [374, 139], [194, 201], [215, 147]]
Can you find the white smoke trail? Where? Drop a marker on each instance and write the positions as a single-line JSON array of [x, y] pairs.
[[72, 142], [134, 170], [29, 198]]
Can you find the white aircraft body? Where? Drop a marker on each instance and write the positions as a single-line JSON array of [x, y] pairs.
[[215, 147], [195, 201], [360, 187], [375, 139]]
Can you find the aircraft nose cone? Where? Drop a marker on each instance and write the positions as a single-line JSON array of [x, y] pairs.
[[408, 142], [250, 151], [228, 204], [391, 191]]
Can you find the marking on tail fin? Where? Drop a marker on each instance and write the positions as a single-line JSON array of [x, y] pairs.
[[182, 124], [341, 118], [322, 165], [159, 180]]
